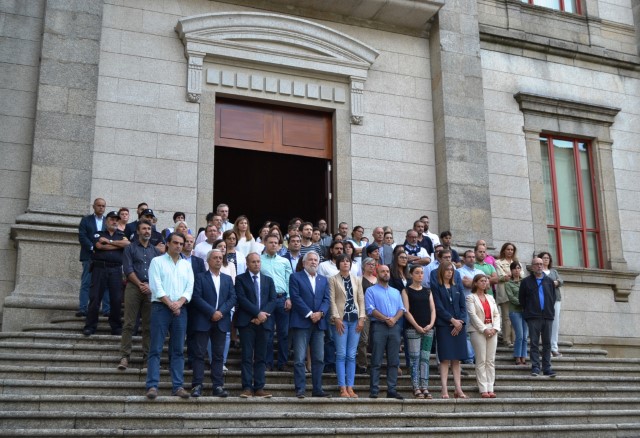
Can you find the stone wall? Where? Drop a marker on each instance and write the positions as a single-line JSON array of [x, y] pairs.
[[20, 42]]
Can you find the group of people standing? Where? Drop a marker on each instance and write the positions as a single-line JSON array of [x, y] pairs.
[[365, 297]]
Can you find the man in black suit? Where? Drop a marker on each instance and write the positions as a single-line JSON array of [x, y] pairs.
[[198, 266], [213, 298], [256, 294], [88, 228]]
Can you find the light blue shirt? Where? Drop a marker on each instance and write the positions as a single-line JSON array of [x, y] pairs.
[[279, 269], [386, 300], [426, 280], [466, 271], [166, 278]]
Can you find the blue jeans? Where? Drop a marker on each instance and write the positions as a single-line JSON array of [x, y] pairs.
[[302, 338], [281, 318], [346, 348], [522, 331], [163, 321], [85, 287], [385, 338]]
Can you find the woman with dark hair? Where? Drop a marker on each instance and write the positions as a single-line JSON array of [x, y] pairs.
[[246, 243], [347, 316], [420, 317], [234, 256], [227, 268], [400, 276], [508, 254], [123, 218], [350, 250], [547, 262], [520, 327], [484, 325], [451, 336], [358, 242], [368, 280]]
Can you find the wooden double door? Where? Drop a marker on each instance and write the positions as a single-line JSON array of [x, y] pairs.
[[273, 162]]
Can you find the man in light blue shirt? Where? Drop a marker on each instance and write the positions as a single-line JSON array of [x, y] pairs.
[[385, 308], [279, 269], [467, 271], [171, 283]]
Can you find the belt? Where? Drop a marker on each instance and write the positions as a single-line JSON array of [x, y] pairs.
[[106, 264], [281, 295]]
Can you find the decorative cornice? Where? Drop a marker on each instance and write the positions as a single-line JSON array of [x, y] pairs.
[[277, 40], [566, 109]]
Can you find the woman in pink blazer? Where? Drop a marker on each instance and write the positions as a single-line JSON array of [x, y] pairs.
[[484, 325]]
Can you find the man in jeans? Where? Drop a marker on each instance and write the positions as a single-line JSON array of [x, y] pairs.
[[537, 297], [171, 282], [137, 294]]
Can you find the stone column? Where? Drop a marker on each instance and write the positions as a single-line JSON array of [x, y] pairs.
[[462, 173], [48, 270]]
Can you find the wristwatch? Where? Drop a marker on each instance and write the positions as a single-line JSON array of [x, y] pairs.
[[110, 241]]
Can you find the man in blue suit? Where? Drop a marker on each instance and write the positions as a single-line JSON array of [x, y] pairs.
[[213, 298], [88, 228], [309, 303], [256, 294], [198, 266]]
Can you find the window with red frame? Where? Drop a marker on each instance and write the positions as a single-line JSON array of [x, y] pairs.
[[570, 201], [572, 6]]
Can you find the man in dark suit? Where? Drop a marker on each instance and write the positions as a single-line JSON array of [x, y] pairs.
[[213, 298], [309, 303], [256, 295], [537, 297], [198, 266], [88, 228]]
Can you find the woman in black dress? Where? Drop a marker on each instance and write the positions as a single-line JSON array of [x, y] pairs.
[[451, 336]]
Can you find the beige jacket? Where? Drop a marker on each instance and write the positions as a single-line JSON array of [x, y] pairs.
[[339, 296], [476, 314]]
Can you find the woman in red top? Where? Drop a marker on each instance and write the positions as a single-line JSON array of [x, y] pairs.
[[484, 325]]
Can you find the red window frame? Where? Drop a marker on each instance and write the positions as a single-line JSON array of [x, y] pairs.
[[578, 10], [579, 182]]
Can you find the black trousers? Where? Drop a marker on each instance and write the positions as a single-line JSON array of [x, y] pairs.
[[110, 278], [202, 339]]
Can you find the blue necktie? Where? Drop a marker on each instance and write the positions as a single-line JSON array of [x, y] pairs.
[[256, 288], [540, 293]]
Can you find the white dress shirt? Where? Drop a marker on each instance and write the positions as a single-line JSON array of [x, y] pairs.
[[166, 278]]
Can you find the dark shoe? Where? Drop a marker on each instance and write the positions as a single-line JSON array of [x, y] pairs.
[[361, 370], [395, 395], [124, 364], [196, 391], [219, 392], [152, 393], [321, 394], [81, 314], [284, 368], [300, 394], [329, 369], [373, 395], [535, 372], [246, 393], [106, 314], [182, 393], [87, 332], [556, 354], [550, 373], [117, 332], [261, 393]]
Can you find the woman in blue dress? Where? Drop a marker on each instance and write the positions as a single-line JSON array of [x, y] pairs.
[[451, 314]]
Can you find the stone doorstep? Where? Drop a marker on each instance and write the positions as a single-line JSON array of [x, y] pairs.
[[102, 420], [136, 388], [570, 431]]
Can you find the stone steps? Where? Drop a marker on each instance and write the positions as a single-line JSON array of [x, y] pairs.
[[57, 382]]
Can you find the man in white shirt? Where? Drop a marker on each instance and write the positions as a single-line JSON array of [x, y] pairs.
[[171, 283], [223, 211], [434, 237], [202, 249]]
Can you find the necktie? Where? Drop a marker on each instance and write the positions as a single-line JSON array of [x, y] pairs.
[[256, 289], [540, 293]]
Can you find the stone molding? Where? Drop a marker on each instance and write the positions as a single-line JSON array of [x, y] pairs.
[[583, 120], [621, 282], [275, 85], [276, 40]]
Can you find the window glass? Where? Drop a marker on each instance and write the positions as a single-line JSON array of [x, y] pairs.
[[558, 5], [587, 189], [592, 249], [572, 254], [548, 184], [568, 202]]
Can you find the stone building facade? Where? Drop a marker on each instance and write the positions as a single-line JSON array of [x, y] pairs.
[[436, 108]]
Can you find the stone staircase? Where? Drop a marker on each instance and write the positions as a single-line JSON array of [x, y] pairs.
[[56, 382]]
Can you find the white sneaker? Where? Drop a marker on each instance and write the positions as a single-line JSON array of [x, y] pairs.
[[224, 368]]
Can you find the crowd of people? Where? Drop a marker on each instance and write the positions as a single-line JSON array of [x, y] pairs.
[[335, 303]]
